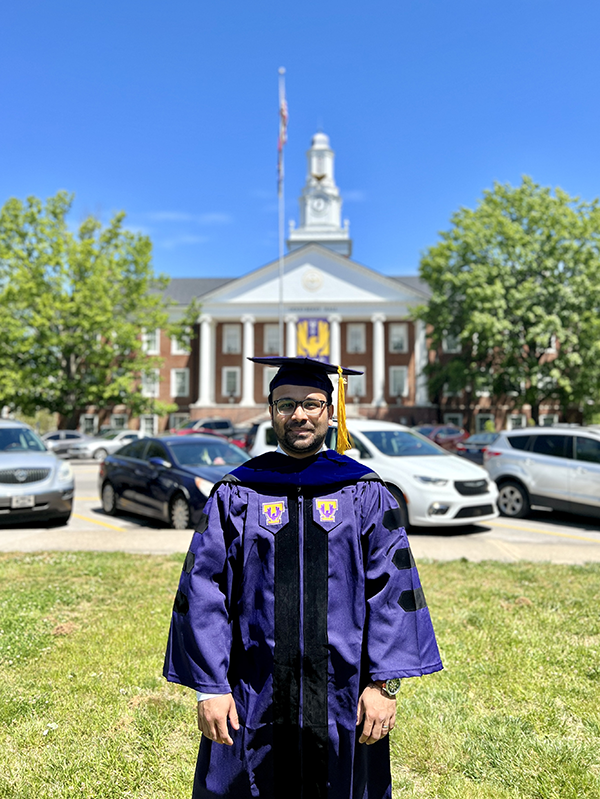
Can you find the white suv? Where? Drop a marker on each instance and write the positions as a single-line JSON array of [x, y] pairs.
[[556, 468]]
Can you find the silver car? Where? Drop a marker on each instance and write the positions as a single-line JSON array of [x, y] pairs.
[[106, 444], [557, 468], [35, 485]]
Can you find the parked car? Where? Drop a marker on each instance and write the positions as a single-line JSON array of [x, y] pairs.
[[545, 466], [474, 446], [216, 425], [35, 485], [101, 446], [446, 435], [167, 478], [60, 441], [433, 487]]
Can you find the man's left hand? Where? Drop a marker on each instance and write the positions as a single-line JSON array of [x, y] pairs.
[[379, 713]]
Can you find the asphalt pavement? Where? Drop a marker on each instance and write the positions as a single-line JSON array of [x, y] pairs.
[[553, 537]]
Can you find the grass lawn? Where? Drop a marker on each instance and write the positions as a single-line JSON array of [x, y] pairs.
[[85, 712]]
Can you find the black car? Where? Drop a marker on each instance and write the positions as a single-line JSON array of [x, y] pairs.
[[167, 478], [472, 447]]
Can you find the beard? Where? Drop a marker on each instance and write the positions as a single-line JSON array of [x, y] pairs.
[[305, 446]]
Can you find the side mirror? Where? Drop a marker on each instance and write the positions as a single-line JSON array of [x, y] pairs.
[[353, 453], [160, 462]]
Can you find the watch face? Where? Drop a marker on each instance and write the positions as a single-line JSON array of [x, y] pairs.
[[318, 205], [392, 686]]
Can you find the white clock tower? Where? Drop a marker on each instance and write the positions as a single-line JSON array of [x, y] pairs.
[[321, 204]]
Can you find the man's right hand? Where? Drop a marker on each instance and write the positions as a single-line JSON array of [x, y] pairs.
[[213, 715]]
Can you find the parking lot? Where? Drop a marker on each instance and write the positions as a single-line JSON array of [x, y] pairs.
[[542, 537]]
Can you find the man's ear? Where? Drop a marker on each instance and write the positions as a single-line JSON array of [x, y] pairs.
[[330, 412]]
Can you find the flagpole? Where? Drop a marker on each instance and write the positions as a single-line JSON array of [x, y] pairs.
[[282, 139]]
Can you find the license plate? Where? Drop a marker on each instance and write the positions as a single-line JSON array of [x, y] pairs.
[[23, 501]]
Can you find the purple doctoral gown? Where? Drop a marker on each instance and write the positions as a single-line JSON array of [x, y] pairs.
[[298, 589]]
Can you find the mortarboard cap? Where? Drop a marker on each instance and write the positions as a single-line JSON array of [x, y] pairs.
[[308, 372]]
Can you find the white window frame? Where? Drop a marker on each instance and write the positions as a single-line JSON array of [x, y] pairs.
[[360, 329], [238, 381], [185, 371], [180, 347], [397, 326], [269, 373], [481, 419], [454, 417], [116, 419], [271, 339], [154, 426], [357, 384], [86, 417], [392, 390], [451, 344], [544, 416], [153, 391], [151, 341], [231, 347], [510, 421]]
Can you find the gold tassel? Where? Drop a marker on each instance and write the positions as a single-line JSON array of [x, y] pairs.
[[343, 442]]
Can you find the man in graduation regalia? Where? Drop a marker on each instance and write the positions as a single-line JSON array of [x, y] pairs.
[[299, 610]]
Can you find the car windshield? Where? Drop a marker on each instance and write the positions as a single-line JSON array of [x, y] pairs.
[[208, 453], [401, 443], [424, 429], [186, 426], [109, 436], [19, 439]]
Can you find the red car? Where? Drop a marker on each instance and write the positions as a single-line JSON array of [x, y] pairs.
[[446, 436]]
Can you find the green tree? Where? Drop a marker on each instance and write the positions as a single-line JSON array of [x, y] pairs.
[[517, 282], [72, 308]]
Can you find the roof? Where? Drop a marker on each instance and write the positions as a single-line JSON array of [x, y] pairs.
[[182, 289], [413, 282]]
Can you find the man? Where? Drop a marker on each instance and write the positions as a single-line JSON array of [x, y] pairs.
[[298, 611]]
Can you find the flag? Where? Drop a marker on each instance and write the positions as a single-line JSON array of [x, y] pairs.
[[283, 122]]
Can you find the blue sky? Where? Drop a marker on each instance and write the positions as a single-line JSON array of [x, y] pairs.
[[168, 111]]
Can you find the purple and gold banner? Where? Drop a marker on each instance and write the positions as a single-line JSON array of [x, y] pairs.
[[312, 336]]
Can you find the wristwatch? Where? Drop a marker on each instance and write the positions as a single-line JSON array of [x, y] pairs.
[[390, 687]]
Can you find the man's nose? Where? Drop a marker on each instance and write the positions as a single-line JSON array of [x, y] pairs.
[[299, 413]]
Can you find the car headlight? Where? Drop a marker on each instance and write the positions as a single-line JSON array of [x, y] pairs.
[[203, 486], [430, 481], [65, 472]]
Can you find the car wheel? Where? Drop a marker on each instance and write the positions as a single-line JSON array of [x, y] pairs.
[[100, 454], [179, 513], [513, 500], [109, 499], [397, 494]]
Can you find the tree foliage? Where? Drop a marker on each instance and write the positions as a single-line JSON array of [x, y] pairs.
[[517, 282], [72, 307]]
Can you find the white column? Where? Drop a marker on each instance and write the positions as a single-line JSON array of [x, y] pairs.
[[248, 366], [334, 338], [206, 389], [291, 342], [421, 360], [378, 360]]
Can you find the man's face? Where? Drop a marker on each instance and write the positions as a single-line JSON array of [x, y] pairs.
[[300, 434]]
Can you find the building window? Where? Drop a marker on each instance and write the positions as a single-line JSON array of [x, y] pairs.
[[398, 381], [148, 424], [118, 421], [269, 373], [481, 420], [178, 420], [548, 419], [180, 346], [453, 418], [451, 344], [232, 339], [356, 337], [89, 424], [151, 341], [230, 381], [357, 384], [150, 383], [271, 339], [398, 337], [516, 421], [180, 382]]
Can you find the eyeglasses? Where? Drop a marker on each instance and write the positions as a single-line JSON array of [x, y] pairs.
[[311, 407]]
